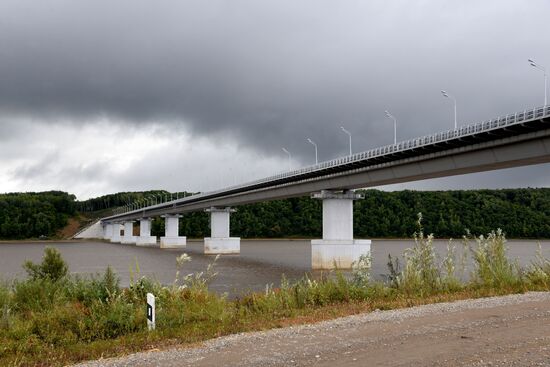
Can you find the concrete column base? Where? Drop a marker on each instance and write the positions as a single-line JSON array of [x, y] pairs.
[[328, 254], [116, 237], [173, 242], [146, 240], [222, 245], [128, 240]]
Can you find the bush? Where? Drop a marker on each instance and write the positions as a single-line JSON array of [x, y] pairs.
[[539, 272], [103, 288], [37, 295], [420, 273], [4, 295], [53, 266], [492, 267]]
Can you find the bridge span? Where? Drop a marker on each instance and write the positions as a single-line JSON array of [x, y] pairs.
[[513, 140]]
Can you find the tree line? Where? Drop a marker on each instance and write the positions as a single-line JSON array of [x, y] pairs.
[[521, 213], [31, 214]]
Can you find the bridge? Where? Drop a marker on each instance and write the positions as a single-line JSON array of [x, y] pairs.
[[513, 140]]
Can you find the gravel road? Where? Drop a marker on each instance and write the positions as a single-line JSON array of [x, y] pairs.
[[498, 331]]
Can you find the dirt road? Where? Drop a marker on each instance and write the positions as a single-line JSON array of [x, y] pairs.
[[499, 331]]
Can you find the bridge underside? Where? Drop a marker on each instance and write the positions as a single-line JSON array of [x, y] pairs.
[[527, 149]]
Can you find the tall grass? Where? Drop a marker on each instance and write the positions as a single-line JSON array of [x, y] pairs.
[[492, 266]]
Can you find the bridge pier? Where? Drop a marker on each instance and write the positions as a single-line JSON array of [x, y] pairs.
[[128, 237], [115, 238], [219, 241], [107, 231], [145, 238], [171, 238], [337, 248]]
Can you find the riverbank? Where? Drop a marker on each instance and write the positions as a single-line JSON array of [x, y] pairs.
[[59, 318], [512, 329]]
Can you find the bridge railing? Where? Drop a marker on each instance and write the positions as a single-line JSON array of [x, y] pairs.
[[462, 131]]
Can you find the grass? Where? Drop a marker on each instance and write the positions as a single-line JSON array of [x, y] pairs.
[[53, 319]]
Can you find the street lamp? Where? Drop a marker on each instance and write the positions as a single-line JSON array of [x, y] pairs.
[[315, 145], [543, 69], [349, 134], [289, 158], [394, 126], [447, 95]]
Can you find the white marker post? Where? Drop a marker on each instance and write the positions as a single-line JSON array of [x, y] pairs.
[[150, 311]]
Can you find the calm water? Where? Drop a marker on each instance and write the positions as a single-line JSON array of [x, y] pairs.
[[261, 262]]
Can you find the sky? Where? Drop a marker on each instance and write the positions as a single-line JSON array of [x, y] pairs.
[[104, 96]]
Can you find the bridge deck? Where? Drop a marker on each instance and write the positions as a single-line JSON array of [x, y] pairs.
[[496, 130]]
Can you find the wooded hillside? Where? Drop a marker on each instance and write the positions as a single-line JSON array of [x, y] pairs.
[[521, 213]]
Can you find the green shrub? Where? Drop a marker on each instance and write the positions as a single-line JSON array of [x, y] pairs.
[[37, 295], [53, 266], [360, 270], [87, 290], [420, 274], [492, 267], [539, 271], [4, 295]]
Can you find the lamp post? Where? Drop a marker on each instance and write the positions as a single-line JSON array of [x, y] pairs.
[[349, 134], [543, 69], [394, 126], [447, 95], [289, 158], [315, 145]]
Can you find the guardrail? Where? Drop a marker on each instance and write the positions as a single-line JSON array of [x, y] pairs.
[[462, 131]]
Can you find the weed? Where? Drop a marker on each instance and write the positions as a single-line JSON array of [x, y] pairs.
[[492, 267], [53, 266], [361, 269]]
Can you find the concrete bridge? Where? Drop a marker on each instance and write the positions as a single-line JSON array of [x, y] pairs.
[[513, 140]]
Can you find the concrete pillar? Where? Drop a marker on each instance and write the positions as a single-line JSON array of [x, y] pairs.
[[107, 231], [171, 237], [129, 237], [115, 238], [145, 238], [337, 248], [220, 242]]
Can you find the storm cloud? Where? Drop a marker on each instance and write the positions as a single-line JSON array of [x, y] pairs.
[[263, 75]]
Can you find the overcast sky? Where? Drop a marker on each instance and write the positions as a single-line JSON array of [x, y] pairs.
[[104, 96]]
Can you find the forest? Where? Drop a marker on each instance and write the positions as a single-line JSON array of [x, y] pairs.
[[32, 215], [521, 213]]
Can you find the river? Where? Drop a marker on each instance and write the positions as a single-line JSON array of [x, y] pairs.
[[260, 262]]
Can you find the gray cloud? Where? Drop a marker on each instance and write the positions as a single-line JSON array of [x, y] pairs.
[[268, 75]]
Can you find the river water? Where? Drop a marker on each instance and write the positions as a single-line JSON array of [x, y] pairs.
[[260, 262]]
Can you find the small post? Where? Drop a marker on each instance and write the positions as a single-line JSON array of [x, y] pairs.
[[150, 311]]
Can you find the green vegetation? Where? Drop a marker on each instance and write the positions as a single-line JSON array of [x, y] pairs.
[[61, 319], [31, 215], [53, 267], [525, 213]]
